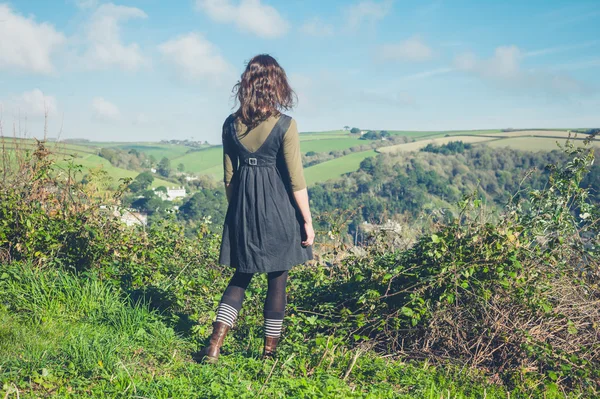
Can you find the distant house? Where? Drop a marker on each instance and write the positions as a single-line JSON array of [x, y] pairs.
[[131, 218], [153, 170], [171, 194]]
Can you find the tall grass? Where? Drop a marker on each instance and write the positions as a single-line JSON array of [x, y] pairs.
[[64, 336]]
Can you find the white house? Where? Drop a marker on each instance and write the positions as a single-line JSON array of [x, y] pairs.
[[133, 218], [175, 192]]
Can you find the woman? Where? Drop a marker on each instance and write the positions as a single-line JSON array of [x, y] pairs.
[[268, 226]]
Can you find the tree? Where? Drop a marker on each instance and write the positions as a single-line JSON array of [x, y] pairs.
[[181, 167], [108, 154], [370, 135], [164, 167], [346, 127], [141, 182], [355, 130]]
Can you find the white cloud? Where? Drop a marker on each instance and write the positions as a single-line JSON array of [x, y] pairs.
[[196, 58], [26, 45], [249, 16], [385, 98], [411, 50], [367, 12], [105, 45], [503, 65], [35, 103], [86, 3], [317, 27], [425, 74], [105, 110], [577, 65], [504, 68], [561, 49]]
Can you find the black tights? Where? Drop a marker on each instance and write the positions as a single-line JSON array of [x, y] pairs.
[[276, 298]]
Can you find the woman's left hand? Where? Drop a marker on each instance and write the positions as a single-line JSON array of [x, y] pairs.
[[309, 234]]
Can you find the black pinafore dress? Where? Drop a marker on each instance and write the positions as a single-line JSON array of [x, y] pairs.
[[263, 229]]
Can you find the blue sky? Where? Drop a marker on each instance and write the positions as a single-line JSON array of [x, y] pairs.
[[135, 70]]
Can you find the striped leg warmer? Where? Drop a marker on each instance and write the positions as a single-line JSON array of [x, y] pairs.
[[273, 327], [226, 314]]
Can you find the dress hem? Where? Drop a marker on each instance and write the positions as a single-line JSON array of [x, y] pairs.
[[285, 267]]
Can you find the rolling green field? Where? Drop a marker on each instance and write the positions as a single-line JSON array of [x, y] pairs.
[[336, 167], [157, 150], [90, 161], [200, 161], [327, 145], [428, 134], [208, 161]]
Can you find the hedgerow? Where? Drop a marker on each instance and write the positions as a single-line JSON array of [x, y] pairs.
[[514, 298]]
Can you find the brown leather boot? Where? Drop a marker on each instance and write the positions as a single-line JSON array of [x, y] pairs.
[[211, 352], [270, 347]]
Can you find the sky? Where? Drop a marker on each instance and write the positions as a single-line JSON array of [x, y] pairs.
[[148, 70]]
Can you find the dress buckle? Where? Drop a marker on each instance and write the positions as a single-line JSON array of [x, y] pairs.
[[252, 161]]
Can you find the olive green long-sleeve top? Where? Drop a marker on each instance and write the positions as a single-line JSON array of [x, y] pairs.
[[254, 138]]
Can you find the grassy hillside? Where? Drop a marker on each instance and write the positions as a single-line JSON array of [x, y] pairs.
[[417, 145], [336, 167], [200, 161], [327, 145], [536, 143], [208, 161], [89, 161], [157, 150], [64, 336], [423, 134]]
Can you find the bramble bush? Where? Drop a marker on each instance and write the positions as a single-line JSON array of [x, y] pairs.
[[517, 297]]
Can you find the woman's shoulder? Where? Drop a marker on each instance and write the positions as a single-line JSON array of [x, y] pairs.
[[292, 125], [229, 119]]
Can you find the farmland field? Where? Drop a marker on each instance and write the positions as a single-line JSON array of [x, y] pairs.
[[157, 150], [534, 143], [431, 134], [327, 145], [417, 145], [336, 167], [199, 161], [208, 161], [90, 161]]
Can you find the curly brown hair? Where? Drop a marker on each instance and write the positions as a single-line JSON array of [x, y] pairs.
[[262, 91]]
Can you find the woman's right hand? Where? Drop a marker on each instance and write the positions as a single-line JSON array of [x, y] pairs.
[[309, 234]]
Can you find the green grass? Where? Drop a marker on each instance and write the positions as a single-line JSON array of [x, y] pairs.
[[158, 151], [63, 336], [90, 161], [216, 172], [327, 133], [200, 161], [336, 167], [433, 133], [155, 149], [327, 145]]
